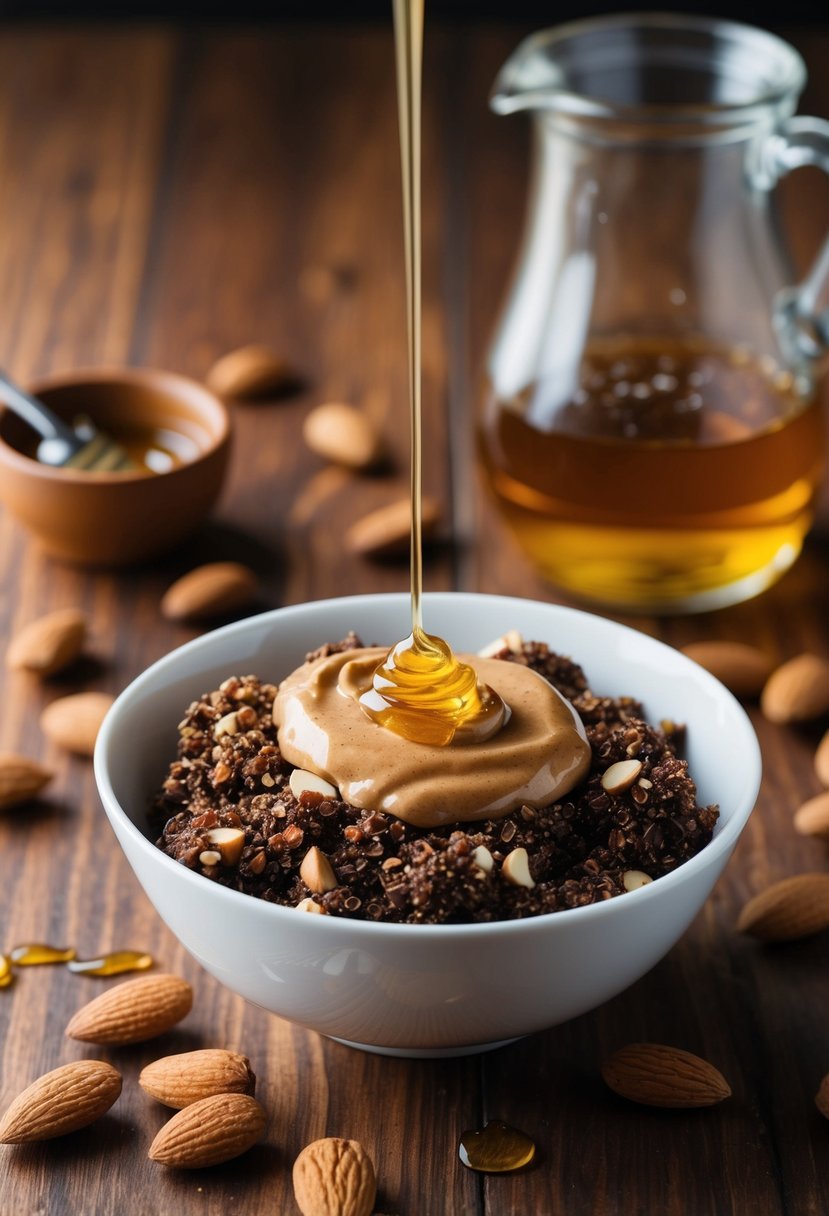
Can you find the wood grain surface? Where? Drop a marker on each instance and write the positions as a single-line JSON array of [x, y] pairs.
[[164, 197]]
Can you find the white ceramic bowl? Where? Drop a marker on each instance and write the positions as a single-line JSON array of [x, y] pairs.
[[415, 989]]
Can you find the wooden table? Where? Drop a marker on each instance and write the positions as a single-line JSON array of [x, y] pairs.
[[163, 198]]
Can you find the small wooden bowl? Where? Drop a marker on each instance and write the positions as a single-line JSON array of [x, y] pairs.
[[115, 519]]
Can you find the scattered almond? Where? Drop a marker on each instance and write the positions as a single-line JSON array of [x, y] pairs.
[[21, 779], [209, 590], [251, 372], [822, 1097], [743, 669], [343, 434], [316, 872], [822, 760], [798, 691], [61, 1101], [73, 722], [657, 1075], [209, 1131], [334, 1177], [516, 869], [386, 531], [48, 644], [182, 1079], [621, 776], [795, 907], [134, 1011], [812, 818]]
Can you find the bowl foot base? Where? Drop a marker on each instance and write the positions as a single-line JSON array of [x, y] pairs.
[[424, 1053]]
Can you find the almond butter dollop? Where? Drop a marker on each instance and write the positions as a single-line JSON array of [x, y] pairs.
[[539, 754]]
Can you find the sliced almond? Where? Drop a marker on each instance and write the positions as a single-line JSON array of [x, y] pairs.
[[743, 669], [516, 869], [209, 1131], [344, 435], [302, 782], [311, 905], [73, 722], [334, 1177], [21, 779], [210, 590], [182, 1079], [48, 644], [657, 1075], [386, 531], [133, 1011], [61, 1101], [483, 859], [227, 725], [252, 372], [632, 880], [316, 872], [511, 640], [621, 776], [210, 857], [229, 843], [798, 691], [793, 908]]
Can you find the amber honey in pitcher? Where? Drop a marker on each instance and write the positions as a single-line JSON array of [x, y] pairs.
[[674, 473]]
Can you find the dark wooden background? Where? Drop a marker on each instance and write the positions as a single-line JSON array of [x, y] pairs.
[[163, 195]]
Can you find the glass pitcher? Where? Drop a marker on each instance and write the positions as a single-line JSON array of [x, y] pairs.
[[651, 425]]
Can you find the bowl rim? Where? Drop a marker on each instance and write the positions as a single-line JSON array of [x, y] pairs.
[[721, 843], [174, 384]]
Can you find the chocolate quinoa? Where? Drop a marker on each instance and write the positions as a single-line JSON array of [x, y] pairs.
[[579, 850]]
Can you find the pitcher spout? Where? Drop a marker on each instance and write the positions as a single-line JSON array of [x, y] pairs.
[[529, 79]]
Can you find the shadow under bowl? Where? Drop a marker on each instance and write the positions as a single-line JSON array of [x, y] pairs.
[[116, 519], [425, 989]]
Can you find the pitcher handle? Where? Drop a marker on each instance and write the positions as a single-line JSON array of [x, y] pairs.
[[803, 310]]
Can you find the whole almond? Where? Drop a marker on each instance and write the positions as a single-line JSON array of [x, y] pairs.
[[798, 691], [61, 1101], [209, 590], [822, 1097], [251, 372], [73, 722], [182, 1079], [209, 1131], [385, 532], [812, 818], [134, 1011], [743, 669], [657, 1075], [20, 779], [822, 760], [48, 644], [795, 907], [343, 434], [334, 1177]]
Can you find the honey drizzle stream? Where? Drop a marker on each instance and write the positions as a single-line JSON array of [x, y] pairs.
[[408, 39], [421, 690]]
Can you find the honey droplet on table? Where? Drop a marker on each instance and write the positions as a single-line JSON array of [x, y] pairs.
[[423, 692], [36, 954], [112, 964], [6, 974], [496, 1149]]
